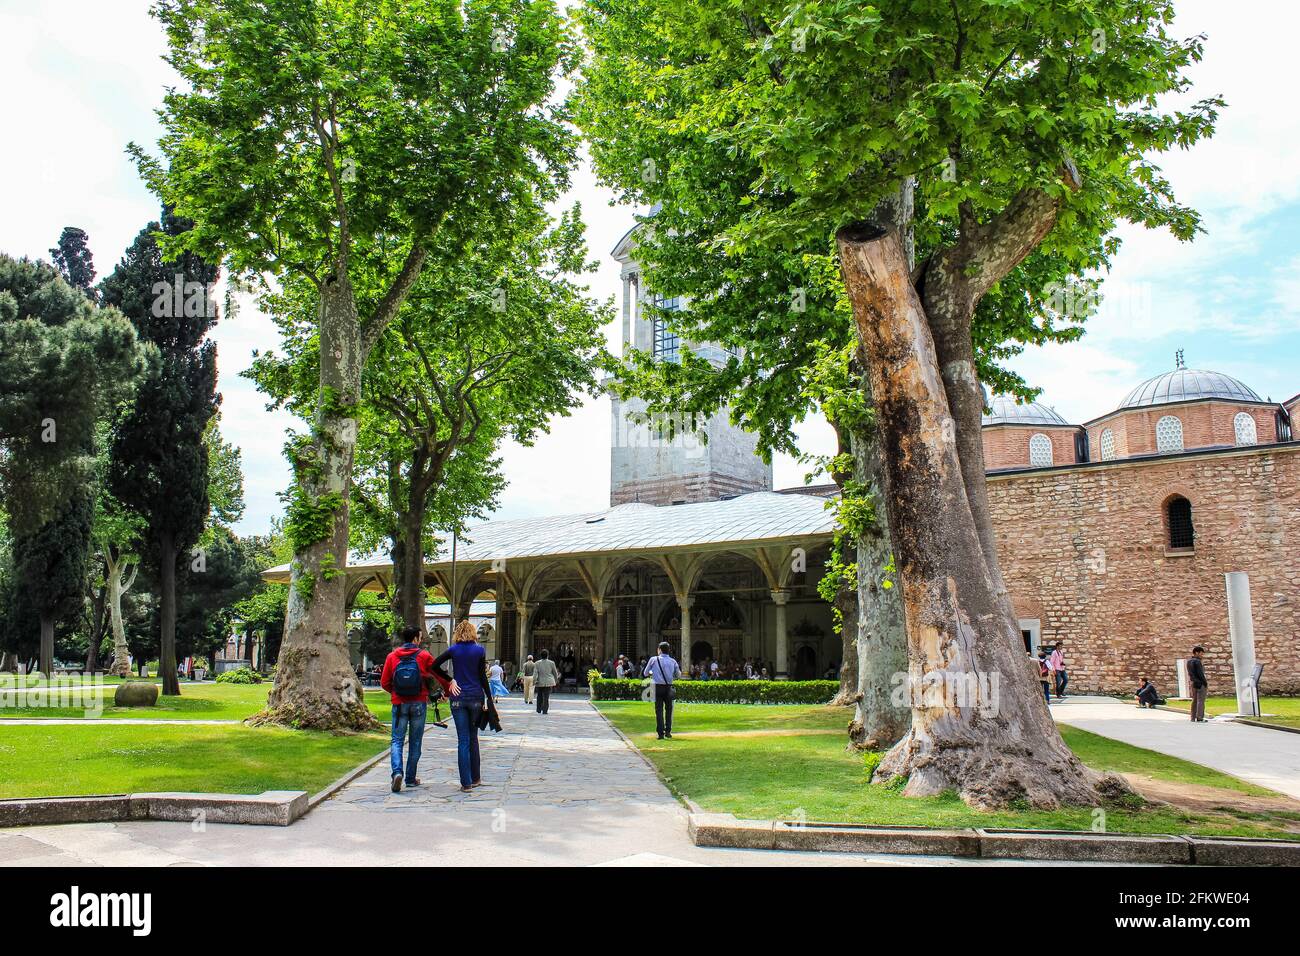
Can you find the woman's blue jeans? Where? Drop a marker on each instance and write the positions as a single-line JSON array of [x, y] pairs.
[[465, 711]]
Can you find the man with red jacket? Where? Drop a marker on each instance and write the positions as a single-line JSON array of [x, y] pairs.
[[407, 672]]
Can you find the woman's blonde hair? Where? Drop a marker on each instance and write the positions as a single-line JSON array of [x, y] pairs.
[[464, 633]]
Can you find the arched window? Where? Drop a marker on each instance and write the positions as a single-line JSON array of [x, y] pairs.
[[1182, 535], [1107, 445], [1169, 434], [1040, 451], [1244, 428]]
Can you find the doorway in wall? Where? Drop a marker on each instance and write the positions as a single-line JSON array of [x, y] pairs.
[[1031, 629]]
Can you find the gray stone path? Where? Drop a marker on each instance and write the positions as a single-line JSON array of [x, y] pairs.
[[561, 790]]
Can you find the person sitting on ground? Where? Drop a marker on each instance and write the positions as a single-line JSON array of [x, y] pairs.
[[1147, 695]]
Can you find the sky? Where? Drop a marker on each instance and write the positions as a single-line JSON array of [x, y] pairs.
[[83, 78]]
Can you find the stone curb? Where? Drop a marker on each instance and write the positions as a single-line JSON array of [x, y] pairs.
[[270, 808], [725, 830], [1267, 726]]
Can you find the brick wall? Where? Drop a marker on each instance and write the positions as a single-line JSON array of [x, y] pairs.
[[1084, 550], [1206, 424], [1007, 446]]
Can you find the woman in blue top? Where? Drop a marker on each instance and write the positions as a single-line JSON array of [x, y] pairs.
[[470, 694]]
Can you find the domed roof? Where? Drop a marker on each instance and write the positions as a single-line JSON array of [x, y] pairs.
[[1006, 411], [1188, 385]]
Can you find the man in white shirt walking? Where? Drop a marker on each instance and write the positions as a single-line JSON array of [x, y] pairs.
[[663, 670]]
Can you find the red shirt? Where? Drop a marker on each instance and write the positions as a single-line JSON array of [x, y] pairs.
[[425, 660]]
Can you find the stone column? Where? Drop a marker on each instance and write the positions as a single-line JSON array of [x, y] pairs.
[[780, 597], [1241, 626], [522, 609], [627, 313], [598, 606], [684, 605]]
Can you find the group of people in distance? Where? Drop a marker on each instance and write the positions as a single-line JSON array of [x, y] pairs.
[[1149, 697], [1050, 668], [623, 666]]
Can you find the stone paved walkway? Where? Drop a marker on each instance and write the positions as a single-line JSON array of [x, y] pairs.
[[563, 789], [1269, 758]]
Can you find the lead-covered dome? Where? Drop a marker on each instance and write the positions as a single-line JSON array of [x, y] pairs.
[[1004, 410], [1188, 385]]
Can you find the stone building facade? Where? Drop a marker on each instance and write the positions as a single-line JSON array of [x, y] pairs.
[[1121, 551], [650, 463]]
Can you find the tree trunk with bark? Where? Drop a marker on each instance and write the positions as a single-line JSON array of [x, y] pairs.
[[47, 645], [408, 566], [881, 717], [167, 614], [114, 588], [315, 686], [980, 725], [846, 597]]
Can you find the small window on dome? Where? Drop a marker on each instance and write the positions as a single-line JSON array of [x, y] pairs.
[[1040, 451], [1107, 445], [1244, 427], [1169, 434]]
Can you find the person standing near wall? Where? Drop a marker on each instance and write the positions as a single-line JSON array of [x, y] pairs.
[[1200, 686], [1056, 661]]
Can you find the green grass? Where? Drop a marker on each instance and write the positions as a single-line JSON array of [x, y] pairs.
[[196, 702], [67, 761], [1284, 711], [780, 777]]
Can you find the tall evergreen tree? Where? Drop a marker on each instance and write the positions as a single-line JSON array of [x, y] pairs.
[[73, 260], [63, 363], [160, 461]]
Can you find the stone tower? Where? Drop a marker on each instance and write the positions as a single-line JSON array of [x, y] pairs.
[[645, 466]]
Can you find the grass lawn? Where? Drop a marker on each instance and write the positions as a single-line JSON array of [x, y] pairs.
[[1283, 711], [196, 702], [67, 761], [733, 767]]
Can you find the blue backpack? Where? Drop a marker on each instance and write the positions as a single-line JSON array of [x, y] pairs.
[[407, 679]]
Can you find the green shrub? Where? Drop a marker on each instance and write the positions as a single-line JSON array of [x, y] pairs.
[[240, 675], [725, 691], [871, 760]]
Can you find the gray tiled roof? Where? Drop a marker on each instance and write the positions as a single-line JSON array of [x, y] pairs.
[[1188, 385], [746, 519], [1004, 410]]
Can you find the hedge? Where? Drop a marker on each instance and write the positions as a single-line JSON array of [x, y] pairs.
[[239, 675], [724, 691]]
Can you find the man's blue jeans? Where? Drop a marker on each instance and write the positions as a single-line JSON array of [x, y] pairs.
[[407, 719], [465, 711]]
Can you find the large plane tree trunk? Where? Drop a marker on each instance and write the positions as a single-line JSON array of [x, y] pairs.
[[882, 716], [980, 725], [315, 686]]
